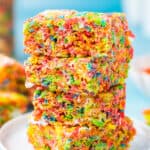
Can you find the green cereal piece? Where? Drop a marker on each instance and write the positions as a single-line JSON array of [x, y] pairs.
[[48, 136], [97, 122], [105, 40], [122, 40], [67, 145], [113, 37], [103, 23], [61, 23], [81, 110], [94, 138], [76, 59], [2, 121], [120, 87], [59, 98], [89, 66], [78, 143], [77, 82], [88, 143], [52, 45], [37, 93], [93, 86], [53, 78], [69, 107], [97, 21], [29, 26], [100, 146], [90, 140], [26, 27], [113, 148], [46, 148], [72, 80], [65, 40], [52, 88], [45, 82], [68, 116], [43, 94], [49, 25], [112, 77]]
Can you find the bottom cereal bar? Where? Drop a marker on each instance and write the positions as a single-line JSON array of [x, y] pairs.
[[90, 136]]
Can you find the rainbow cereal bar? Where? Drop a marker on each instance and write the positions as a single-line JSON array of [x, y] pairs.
[[11, 104], [90, 136], [83, 75], [76, 34], [72, 108], [12, 76], [146, 114]]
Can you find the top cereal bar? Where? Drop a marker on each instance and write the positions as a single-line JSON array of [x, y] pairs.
[[64, 33]]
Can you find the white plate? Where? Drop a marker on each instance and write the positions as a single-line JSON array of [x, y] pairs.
[[141, 78], [13, 135]]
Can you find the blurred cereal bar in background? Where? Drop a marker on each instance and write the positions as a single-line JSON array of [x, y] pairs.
[[6, 25], [14, 97], [12, 104]]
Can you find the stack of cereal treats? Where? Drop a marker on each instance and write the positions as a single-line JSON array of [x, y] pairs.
[[78, 65], [14, 97]]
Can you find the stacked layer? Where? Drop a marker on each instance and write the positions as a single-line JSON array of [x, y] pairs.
[[12, 88], [86, 137], [76, 34], [83, 75], [72, 109], [78, 66]]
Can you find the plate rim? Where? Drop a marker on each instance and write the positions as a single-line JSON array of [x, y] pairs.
[[9, 123]]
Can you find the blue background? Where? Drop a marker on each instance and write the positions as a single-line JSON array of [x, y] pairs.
[[136, 100], [28, 8]]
